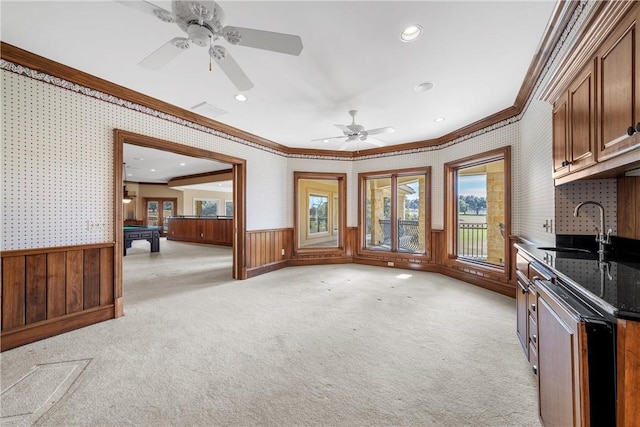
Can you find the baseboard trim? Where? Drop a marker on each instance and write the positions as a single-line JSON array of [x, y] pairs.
[[266, 268], [492, 285], [47, 328]]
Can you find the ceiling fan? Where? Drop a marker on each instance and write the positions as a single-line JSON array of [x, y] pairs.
[[202, 21], [356, 132]]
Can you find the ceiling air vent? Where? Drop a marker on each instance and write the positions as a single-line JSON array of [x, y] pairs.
[[208, 110]]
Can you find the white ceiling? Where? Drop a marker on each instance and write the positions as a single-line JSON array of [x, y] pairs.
[[144, 164], [476, 52]]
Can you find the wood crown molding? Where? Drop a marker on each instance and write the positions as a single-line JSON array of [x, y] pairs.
[[560, 17]]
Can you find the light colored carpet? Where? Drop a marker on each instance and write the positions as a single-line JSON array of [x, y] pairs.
[[333, 345]]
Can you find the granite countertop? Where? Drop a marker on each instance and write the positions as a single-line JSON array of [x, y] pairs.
[[609, 282]]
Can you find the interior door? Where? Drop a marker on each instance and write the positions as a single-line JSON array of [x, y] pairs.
[[157, 212]]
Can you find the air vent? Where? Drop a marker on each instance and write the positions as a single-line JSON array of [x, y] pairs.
[[208, 110]]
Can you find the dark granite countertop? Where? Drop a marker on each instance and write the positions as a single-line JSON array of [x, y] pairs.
[[608, 282]]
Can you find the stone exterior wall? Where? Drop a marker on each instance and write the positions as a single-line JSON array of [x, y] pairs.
[[495, 216]]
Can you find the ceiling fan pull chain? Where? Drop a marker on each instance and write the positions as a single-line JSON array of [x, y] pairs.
[[210, 40]]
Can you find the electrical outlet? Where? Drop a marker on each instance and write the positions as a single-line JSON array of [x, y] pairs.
[[282, 251], [390, 263]]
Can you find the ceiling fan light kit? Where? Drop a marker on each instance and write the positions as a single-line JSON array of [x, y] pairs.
[[202, 21]]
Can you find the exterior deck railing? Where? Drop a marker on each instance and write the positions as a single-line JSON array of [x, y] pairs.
[[407, 234], [472, 240]]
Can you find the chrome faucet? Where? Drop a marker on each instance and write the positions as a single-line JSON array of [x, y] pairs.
[[601, 237]]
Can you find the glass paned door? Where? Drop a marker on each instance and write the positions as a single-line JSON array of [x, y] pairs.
[[153, 213], [158, 211], [168, 210]]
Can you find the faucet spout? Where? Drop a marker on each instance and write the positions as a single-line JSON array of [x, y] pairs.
[[601, 231]]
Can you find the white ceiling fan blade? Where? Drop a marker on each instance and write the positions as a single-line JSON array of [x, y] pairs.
[[378, 131], [343, 128], [344, 145], [267, 40], [165, 53], [231, 68], [150, 9], [328, 138]]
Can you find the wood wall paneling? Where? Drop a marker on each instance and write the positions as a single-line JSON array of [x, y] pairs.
[[74, 286], [628, 366], [52, 290], [36, 287], [56, 284], [106, 276], [91, 279], [628, 220], [13, 292]]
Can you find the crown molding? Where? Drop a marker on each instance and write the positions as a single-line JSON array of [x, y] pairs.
[[560, 17]]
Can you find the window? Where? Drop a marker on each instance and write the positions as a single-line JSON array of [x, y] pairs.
[[478, 209], [228, 208], [319, 212], [206, 207], [396, 211]]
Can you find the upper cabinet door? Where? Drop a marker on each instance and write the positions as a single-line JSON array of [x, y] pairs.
[[560, 130], [619, 89], [581, 145]]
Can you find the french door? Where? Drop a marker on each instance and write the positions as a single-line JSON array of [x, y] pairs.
[[157, 212]]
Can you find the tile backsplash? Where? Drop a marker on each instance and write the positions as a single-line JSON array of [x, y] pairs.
[[568, 196]]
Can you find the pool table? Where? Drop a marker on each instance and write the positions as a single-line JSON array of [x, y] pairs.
[[138, 232]]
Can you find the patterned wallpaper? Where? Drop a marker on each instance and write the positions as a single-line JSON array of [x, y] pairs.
[[57, 158]]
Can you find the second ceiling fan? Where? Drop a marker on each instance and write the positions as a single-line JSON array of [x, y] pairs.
[[356, 132], [202, 21]]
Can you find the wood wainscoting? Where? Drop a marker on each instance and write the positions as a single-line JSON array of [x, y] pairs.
[[265, 253], [52, 290], [267, 250]]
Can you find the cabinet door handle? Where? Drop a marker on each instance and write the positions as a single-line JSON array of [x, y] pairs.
[[566, 162], [631, 130], [533, 307], [534, 368], [534, 338]]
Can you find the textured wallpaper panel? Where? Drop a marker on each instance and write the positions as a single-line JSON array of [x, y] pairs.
[[57, 176], [536, 195], [569, 195], [57, 165]]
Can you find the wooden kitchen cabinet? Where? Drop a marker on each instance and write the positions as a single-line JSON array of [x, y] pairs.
[[559, 363], [618, 69], [574, 126], [522, 313], [596, 111], [560, 137]]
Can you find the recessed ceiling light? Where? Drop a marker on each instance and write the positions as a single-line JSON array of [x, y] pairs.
[[183, 164], [325, 140], [153, 170], [438, 119], [240, 97], [423, 87], [411, 33]]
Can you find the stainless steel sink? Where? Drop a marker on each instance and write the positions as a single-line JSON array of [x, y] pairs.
[[560, 249]]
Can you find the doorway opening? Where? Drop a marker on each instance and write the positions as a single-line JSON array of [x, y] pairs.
[[235, 169]]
